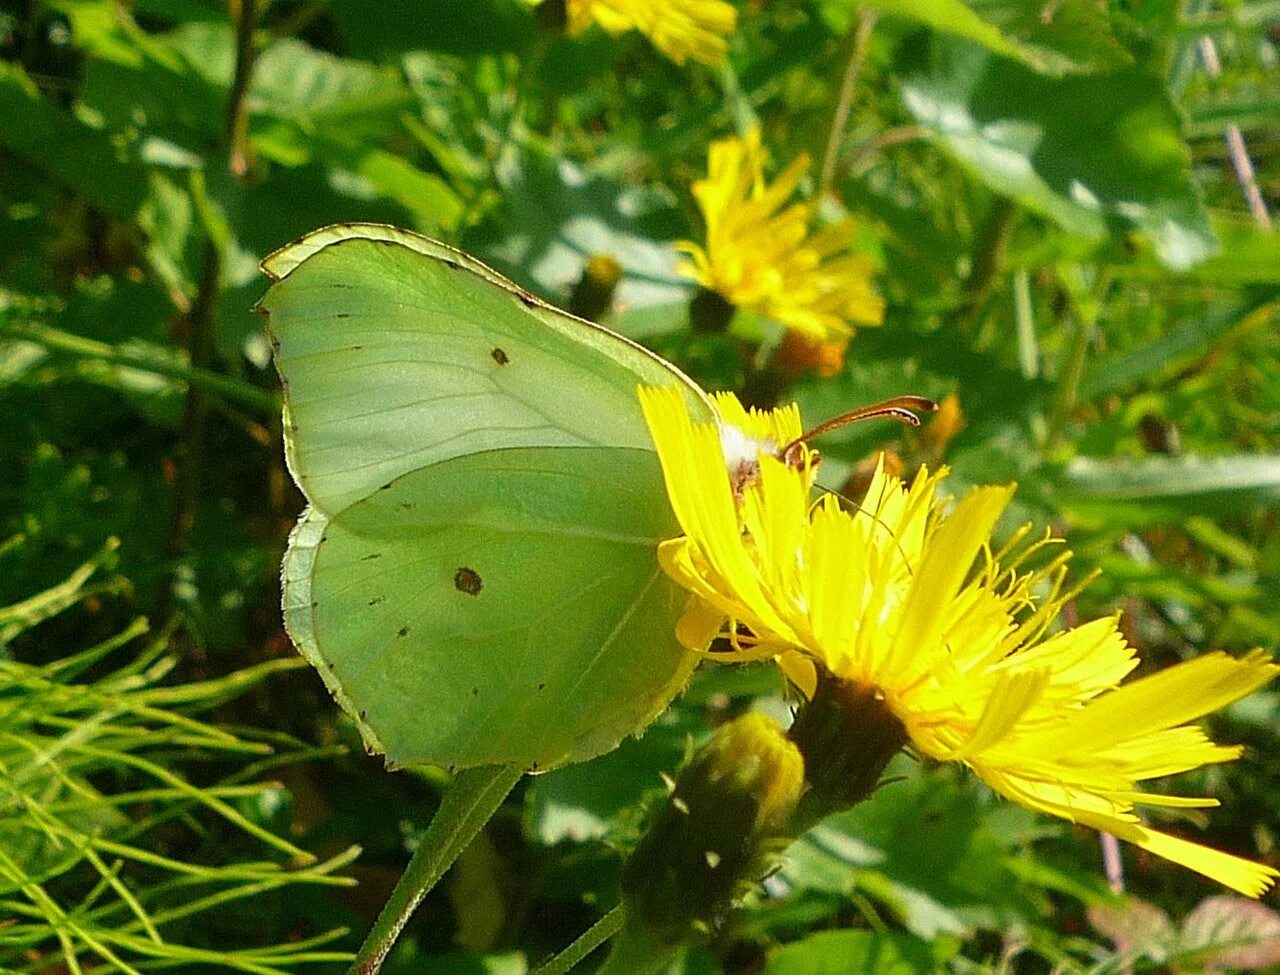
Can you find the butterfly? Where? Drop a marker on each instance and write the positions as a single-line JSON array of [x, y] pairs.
[[475, 573]]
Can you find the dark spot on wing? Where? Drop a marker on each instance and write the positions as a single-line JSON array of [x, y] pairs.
[[371, 556], [475, 692], [468, 581], [342, 314], [500, 356], [377, 599], [404, 631], [542, 685], [386, 486]]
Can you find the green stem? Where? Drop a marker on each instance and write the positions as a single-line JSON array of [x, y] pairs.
[[988, 258], [196, 408], [636, 952], [1025, 324], [591, 939], [56, 340], [844, 103], [1085, 310], [470, 802], [245, 15]]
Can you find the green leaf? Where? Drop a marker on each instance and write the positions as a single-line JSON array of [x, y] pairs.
[[1249, 108], [73, 153], [1065, 36], [555, 216], [584, 801], [932, 848], [865, 952], [1147, 362], [337, 99], [1161, 488], [1070, 35], [1248, 254], [1089, 152], [432, 202]]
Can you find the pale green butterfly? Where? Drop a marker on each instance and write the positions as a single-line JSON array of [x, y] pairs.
[[475, 575]]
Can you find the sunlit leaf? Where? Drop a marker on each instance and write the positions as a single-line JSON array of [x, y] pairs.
[[1087, 151]]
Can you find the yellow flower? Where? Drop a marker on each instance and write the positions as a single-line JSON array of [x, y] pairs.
[[888, 599], [762, 254], [680, 29]]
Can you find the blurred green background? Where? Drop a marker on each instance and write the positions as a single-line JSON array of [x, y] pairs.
[[1052, 195]]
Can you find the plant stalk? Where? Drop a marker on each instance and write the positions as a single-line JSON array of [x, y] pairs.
[[471, 801], [844, 102], [67, 343], [244, 13], [988, 258], [589, 941]]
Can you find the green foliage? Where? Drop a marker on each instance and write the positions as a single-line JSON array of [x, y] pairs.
[[111, 832], [1063, 243]]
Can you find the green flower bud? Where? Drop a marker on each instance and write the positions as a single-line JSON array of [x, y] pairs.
[[718, 832]]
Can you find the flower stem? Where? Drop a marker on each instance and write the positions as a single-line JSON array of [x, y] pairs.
[[470, 802], [988, 260], [844, 102], [589, 941], [1085, 307], [245, 15]]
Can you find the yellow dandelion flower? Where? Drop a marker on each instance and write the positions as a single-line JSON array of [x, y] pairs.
[[680, 29], [888, 600], [762, 254]]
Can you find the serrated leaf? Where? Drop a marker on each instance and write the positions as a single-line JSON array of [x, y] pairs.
[[1233, 932], [1133, 925]]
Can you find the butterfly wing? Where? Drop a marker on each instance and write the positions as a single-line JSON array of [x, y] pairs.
[[474, 576]]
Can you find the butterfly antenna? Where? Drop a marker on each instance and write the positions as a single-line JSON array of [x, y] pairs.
[[899, 408]]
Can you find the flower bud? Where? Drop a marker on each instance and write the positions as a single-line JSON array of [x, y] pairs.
[[716, 834], [593, 294]]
